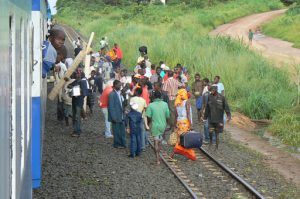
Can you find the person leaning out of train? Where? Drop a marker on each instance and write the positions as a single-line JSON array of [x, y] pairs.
[[49, 53]]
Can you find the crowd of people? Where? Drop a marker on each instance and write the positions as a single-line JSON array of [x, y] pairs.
[[152, 99]]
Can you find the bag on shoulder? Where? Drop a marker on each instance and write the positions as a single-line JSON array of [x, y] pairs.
[[111, 53]]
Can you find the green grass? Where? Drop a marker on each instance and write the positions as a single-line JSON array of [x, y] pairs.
[[286, 125], [286, 27], [178, 34]]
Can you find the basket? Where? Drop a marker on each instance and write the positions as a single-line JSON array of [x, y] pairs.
[[172, 139]]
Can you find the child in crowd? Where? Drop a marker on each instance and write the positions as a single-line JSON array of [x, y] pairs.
[[92, 91], [133, 121], [118, 73], [153, 69], [67, 99], [124, 79]]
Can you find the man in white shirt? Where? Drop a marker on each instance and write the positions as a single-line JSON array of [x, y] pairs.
[[103, 43], [220, 85]]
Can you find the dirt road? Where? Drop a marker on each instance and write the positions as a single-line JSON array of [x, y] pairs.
[[281, 52]]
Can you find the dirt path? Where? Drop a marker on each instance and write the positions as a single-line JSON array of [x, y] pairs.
[[281, 161], [279, 51]]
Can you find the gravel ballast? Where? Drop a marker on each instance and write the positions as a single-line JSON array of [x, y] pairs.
[[89, 167]]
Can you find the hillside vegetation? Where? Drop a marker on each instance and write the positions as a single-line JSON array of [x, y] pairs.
[[177, 33], [286, 27]]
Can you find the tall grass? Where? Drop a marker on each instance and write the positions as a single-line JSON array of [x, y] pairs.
[[286, 27], [286, 125], [178, 34]]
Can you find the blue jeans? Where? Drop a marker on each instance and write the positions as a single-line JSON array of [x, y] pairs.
[[119, 134], [77, 119], [107, 123], [144, 136], [135, 143]]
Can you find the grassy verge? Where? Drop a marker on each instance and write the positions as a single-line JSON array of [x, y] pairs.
[[286, 125], [286, 27], [178, 34]]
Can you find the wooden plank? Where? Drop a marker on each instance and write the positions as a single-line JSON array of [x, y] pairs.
[[54, 92]]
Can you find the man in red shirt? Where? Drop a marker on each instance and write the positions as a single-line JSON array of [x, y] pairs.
[[119, 54], [103, 102]]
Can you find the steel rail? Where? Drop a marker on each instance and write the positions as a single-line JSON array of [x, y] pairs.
[[186, 186], [234, 175]]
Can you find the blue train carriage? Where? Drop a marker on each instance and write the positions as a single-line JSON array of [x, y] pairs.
[[40, 16], [15, 101], [20, 57]]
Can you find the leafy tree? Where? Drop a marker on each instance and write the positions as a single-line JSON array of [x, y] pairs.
[[290, 2]]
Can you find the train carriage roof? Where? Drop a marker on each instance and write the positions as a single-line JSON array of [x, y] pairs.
[[23, 4], [42, 6]]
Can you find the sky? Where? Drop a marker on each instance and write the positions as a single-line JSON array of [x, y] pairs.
[[52, 6]]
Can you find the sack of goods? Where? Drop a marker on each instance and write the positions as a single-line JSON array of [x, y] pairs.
[[76, 91], [112, 55], [191, 139], [143, 49], [173, 139]]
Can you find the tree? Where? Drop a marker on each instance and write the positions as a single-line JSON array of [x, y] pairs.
[[290, 2]]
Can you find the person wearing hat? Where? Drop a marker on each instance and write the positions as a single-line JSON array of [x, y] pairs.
[[214, 111], [133, 122]]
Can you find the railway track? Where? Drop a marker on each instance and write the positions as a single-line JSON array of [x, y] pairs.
[[233, 183]]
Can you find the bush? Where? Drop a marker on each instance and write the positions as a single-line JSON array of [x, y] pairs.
[[286, 126]]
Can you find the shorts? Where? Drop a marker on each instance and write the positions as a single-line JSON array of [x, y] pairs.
[[216, 126], [158, 138], [199, 102]]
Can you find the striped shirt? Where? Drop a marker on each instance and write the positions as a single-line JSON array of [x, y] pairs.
[[171, 87]]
